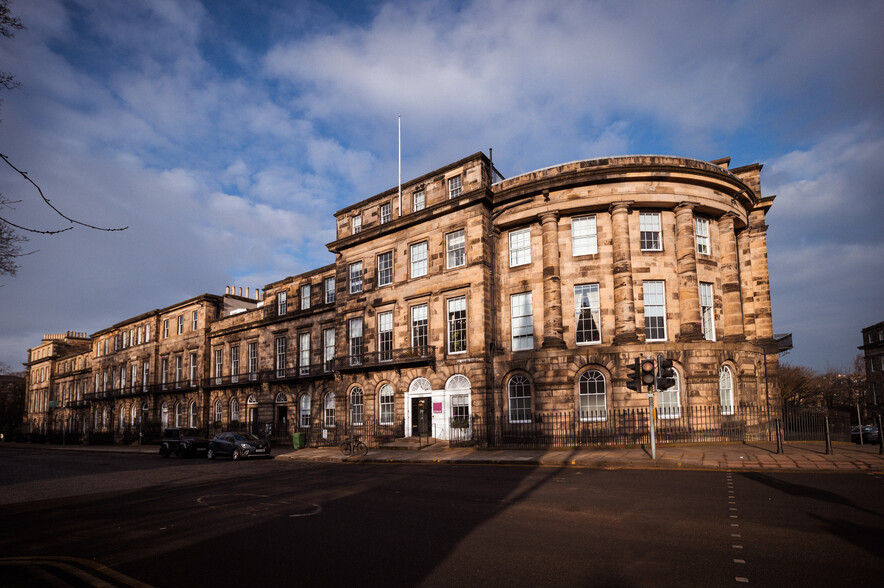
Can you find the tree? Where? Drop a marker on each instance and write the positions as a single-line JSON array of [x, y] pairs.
[[10, 240]]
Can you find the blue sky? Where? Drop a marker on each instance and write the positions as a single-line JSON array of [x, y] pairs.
[[226, 134]]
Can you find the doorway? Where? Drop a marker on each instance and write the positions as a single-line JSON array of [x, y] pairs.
[[420, 416]]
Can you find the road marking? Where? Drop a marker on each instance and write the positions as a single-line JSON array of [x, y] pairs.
[[739, 561], [743, 580]]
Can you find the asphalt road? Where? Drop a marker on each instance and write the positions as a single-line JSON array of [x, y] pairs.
[[136, 518]]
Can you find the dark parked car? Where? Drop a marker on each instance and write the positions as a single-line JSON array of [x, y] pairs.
[[183, 442], [869, 433], [237, 446]]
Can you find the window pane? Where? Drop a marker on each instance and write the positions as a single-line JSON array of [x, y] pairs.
[[649, 224], [520, 247], [592, 396], [583, 236], [419, 260], [385, 268], [522, 321], [457, 325], [520, 399], [586, 307], [455, 246], [655, 311]]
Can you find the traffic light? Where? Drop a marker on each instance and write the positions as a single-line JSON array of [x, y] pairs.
[[633, 377], [647, 369], [665, 373]]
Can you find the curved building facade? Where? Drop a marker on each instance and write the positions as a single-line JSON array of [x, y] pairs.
[[463, 299]]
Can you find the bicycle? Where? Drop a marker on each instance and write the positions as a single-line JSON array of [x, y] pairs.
[[353, 445]]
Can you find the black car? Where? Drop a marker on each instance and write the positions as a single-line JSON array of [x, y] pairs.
[[237, 446], [869, 434], [183, 442]]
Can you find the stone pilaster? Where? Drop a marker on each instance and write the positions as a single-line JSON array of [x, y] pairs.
[[760, 281], [624, 300], [690, 321], [747, 288], [732, 307], [552, 283]]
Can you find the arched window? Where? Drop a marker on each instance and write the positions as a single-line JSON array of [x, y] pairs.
[[592, 396], [134, 414], [164, 415], [193, 419], [178, 414], [234, 411], [123, 412], [356, 406], [519, 392], [668, 406], [385, 396], [281, 398], [305, 410], [218, 411], [457, 382], [328, 410], [420, 385], [726, 390], [104, 418]]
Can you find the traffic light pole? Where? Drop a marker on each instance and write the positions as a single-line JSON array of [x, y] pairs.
[[651, 421]]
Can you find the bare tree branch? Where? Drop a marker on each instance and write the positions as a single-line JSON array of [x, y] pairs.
[[49, 204]]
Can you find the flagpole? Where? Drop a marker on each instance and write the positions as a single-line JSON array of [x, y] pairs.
[[400, 165]]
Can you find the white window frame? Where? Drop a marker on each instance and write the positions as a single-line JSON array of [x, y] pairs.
[[355, 277], [419, 200], [519, 404], [520, 247], [386, 404], [654, 294], [328, 410], [282, 306], [418, 259], [180, 324], [457, 324], [357, 406], [384, 213], [586, 300], [304, 411], [419, 326], [219, 411], [455, 249], [588, 401], [650, 231], [304, 354], [702, 233], [305, 296], [385, 336], [253, 360], [328, 348], [522, 321], [356, 224], [234, 363], [329, 286], [669, 400], [195, 320], [584, 235], [455, 187], [355, 340], [193, 369], [281, 347], [385, 269], [726, 390], [707, 311]]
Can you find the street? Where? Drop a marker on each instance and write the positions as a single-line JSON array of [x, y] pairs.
[[178, 522]]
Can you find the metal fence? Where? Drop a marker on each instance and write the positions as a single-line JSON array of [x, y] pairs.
[[615, 427]]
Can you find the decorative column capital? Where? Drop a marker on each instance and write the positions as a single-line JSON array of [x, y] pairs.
[[548, 217], [620, 207]]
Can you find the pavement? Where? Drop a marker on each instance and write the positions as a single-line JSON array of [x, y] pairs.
[[803, 456]]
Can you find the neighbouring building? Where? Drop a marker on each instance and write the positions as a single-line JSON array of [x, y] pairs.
[[873, 354], [462, 301]]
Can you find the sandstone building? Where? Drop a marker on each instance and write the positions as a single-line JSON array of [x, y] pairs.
[[465, 298], [873, 355]]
